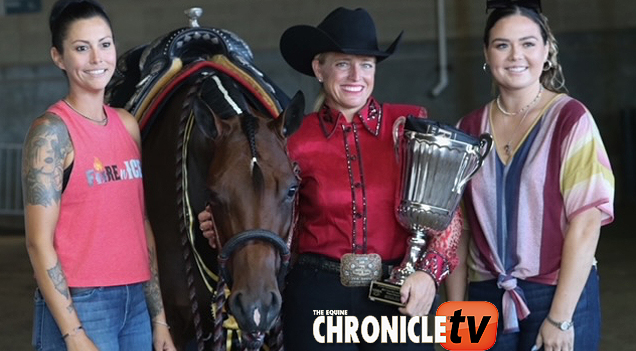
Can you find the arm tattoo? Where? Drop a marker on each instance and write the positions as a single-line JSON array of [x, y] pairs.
[[45, 149], [59, 281], [151, 288]]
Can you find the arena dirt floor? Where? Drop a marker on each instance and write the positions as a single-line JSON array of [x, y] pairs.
[[617, 266]]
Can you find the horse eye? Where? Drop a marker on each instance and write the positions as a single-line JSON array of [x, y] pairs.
[[214, 199], [291, 192]]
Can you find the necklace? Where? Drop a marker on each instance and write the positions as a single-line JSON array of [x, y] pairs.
[[99, 121], [514, 132], [507, 148], [523, 109]]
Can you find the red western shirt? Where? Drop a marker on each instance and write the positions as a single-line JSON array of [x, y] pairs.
[[349, 177]]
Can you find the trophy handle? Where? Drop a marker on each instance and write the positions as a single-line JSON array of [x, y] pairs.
[[485, 145], [398, 126]]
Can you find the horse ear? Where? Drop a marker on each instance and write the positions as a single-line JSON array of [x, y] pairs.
[[206, 120], [291, 118]]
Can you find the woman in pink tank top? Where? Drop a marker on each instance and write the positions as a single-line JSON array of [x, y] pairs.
[[90, 244]]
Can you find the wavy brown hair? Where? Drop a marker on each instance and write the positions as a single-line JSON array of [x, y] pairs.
[[552, 77]]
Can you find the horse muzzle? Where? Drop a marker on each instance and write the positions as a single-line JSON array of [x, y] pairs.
[[255, 311]]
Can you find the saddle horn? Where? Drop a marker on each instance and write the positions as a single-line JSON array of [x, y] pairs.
[[194, 13]]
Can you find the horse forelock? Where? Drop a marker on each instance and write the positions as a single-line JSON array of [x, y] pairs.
[[249, 124]]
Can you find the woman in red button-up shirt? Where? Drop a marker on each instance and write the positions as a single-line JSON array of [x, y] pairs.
[[349, 176]]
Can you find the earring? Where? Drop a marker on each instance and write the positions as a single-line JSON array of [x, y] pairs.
[[484, 66], [549, 66], [320, 80]]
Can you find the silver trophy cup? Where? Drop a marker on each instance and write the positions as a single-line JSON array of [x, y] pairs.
[[436, 162]]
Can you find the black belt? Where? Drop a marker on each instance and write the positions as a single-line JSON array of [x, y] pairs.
[[330, 265]]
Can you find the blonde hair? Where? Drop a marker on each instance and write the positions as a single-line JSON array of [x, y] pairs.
[[320, 98]]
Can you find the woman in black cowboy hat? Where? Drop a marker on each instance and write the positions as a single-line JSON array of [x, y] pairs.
[[349, 174]]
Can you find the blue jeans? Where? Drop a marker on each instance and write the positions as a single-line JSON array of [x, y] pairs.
[[114, 318], [587, 315]]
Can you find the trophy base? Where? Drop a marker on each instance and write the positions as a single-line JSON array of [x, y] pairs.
[[385, 292]]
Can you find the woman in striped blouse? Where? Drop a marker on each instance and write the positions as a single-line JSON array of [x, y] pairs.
[[536, 207]]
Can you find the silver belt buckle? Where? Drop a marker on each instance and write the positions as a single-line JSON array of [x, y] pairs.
[[360, 269]]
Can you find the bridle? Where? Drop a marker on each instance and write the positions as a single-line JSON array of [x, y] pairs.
[[254, 340], [241, 239]]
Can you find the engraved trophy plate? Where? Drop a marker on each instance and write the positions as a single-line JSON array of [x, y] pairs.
[[385, 292], [436, 163]]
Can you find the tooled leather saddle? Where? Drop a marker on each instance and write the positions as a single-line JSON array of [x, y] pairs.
[[142, 71]]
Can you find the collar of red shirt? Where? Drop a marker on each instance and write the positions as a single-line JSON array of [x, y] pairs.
[[370, 116]]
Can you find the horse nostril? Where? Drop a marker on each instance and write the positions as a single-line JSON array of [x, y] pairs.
[[235, 303], [276, 301]]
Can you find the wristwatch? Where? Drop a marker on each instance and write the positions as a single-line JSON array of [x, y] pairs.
[[564, 326]]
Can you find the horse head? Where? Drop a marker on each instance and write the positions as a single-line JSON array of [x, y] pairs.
[[252, 187]]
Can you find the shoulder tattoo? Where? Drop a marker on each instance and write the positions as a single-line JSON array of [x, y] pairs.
[[46, 146]]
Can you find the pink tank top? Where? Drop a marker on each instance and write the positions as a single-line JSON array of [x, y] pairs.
[[100, 235]]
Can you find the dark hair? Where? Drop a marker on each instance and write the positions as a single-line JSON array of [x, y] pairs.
[[552, 77], [66, 12]]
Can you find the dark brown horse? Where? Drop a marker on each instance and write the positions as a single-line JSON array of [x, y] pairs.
[[211, 135]]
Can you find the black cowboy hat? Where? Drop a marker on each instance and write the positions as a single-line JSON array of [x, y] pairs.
[[343, 30]]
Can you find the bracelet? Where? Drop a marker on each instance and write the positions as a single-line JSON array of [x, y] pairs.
[[162, 323], [73, 332], [563, 326], [435, 265]]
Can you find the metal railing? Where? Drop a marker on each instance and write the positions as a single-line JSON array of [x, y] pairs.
[[10, 180]]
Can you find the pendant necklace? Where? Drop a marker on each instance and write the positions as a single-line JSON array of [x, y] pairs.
[[507, 148], [102, 121], [523, 109]]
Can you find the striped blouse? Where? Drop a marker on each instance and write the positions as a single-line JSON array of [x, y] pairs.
[[518, 225]]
